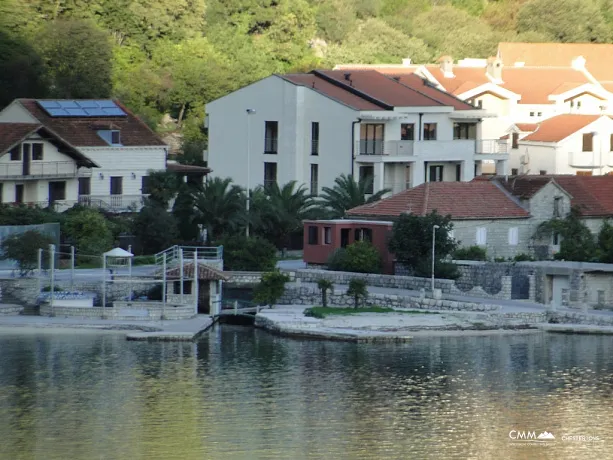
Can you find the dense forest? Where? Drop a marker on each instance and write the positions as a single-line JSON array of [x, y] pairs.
[[173, 56]]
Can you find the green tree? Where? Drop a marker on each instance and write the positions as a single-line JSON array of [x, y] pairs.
[[220, 207], [605, 243], [347, 194], [358, 290], [577, 241], [565, 20], [77, 57], [359, 257], [155, 228], [411, 242], [89, 232], [23, 248], [335, 19], [162, 186], [27, 215], [324, 286], [248, 254], [184, 212], [192, 152], [270, 288]]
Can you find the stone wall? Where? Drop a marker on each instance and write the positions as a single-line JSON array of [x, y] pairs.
[[125, 311], [570, 317], [10, 310], [312, 296]]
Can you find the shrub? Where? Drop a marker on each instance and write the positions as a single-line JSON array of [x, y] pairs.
[[324, 286], [470, 253], [23, 249], [523, 257], [358, 290], [359, 257], [248, 254], [499, 259], [311, 313], [270, 288]]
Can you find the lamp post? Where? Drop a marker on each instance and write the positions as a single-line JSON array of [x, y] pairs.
[[249, 113], [433, 241]]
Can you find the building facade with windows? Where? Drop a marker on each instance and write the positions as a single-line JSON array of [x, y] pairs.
[[81, 135], [313, 127]]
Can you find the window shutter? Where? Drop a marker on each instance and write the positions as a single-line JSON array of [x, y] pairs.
[[513, 236]]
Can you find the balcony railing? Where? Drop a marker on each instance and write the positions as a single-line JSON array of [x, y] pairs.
[[270, 145], [586, 160], [491, 147], [35, 170], [113, 203], [450, 149]]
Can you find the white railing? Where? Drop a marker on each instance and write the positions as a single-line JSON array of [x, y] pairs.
[[451, 149], [40, 169], [114, 203], [588, 160], [491, 147]]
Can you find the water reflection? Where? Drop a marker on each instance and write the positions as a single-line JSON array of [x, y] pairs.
[[242, 393]]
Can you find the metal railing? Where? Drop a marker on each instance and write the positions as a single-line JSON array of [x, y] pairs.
[[116, 203], [37, 169], [173, 254], [432, 148]]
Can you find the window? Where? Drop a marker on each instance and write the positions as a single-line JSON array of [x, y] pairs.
[[115, 139], [429, 131], [572, 104], [588, 142], [407, 132], [480, 103], [539, 114], [436, 173], [57, 191], [37, 151], [557, 206], [513, 236], [313, 235], [555, 239], [578, 104], [117, 185], [611, 143], [145, 185], [451, 234], [464, 131], [543, 172], [85, 186], [367, 174], [18, 193], [16, 153], [458, 172], [515, 142], [270, 174], [514, 171], [271, 137], [314, 179], [314, 138], [481, 236], [362, 234], [327, 235], [371, 139], [531, 114]]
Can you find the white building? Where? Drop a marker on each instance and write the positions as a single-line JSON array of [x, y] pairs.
[[313, 127], [79, 135], [565, 144]]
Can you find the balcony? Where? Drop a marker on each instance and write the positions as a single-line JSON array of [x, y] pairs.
[[584, 160], [113, 203], [47, 169], [458, 149]]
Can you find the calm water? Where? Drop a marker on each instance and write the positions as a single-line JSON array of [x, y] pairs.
[[243, 394]]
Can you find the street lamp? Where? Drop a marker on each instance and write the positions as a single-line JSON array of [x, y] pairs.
[[433, 241], [249, 112]]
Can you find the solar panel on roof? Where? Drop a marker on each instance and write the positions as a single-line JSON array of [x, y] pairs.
[[114, 112], [96, 112], [76, 112], [84, 108], [49, 104], [68, 104], [106, 103], [88, 104], [56, 112]]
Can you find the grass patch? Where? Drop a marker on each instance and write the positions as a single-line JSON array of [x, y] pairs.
[[322, 312]]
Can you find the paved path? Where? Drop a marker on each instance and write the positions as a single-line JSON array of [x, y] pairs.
[[184, 330]]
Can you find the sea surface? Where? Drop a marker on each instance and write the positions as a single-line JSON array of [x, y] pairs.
[[241, 393]]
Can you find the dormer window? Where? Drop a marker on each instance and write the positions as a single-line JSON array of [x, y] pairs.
[[111, 136]]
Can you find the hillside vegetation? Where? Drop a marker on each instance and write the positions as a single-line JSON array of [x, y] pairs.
[[173, 56]]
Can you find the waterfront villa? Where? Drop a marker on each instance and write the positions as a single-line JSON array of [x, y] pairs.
[[48, 148], [313, 127]]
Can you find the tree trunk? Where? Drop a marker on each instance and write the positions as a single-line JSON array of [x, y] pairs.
[[181, 114], [324, 297], [355, 301]]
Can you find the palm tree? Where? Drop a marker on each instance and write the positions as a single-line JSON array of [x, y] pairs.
[[279, 211], [347, 194], [324, 286], [220, 207]]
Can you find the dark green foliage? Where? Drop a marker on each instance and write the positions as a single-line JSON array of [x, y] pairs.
[[470, 253], [605, 243], [183, 211], [523, 257], [192, 152], [220, 207], [347, 194], [411, 242], [358, 290], [314, 313], [155, 228], [89, 231], [324, 286], [247, 254], [162, 187], [271, 287], [23, 248], [359, 257], [577, 241], [27, 215]]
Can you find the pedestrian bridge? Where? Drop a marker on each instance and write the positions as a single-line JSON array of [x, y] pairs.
[[237, 307]]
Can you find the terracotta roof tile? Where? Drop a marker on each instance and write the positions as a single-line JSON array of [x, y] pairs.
[[523, 187], [560, 127], [536, 84], [422, 85], [462, 200], [12, 134], [464, 78], [597, 56], [527, 127], [81, 132]]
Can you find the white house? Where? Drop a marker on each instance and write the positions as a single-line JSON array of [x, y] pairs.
[[102, 134], [313, 127], [513, 94], [565, 144]]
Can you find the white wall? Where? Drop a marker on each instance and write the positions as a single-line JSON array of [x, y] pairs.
[[15, 113], [123, 161]]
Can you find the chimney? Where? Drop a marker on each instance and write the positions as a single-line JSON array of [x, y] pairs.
[[446, 63], [578, 63], [494, 69], [406, 62]]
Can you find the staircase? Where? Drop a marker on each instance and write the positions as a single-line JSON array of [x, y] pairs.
[[208, 255]]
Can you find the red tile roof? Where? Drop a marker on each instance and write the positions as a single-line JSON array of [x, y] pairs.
[[523, 187], [461, 200], [597, 56], [560, 127], [12, 134], [81, 131], [423, 86], [527, 127], [536, 84]]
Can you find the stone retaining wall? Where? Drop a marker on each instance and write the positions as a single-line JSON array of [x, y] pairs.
[[10, 310], [125, 311], [310, 296], [556, 317]]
